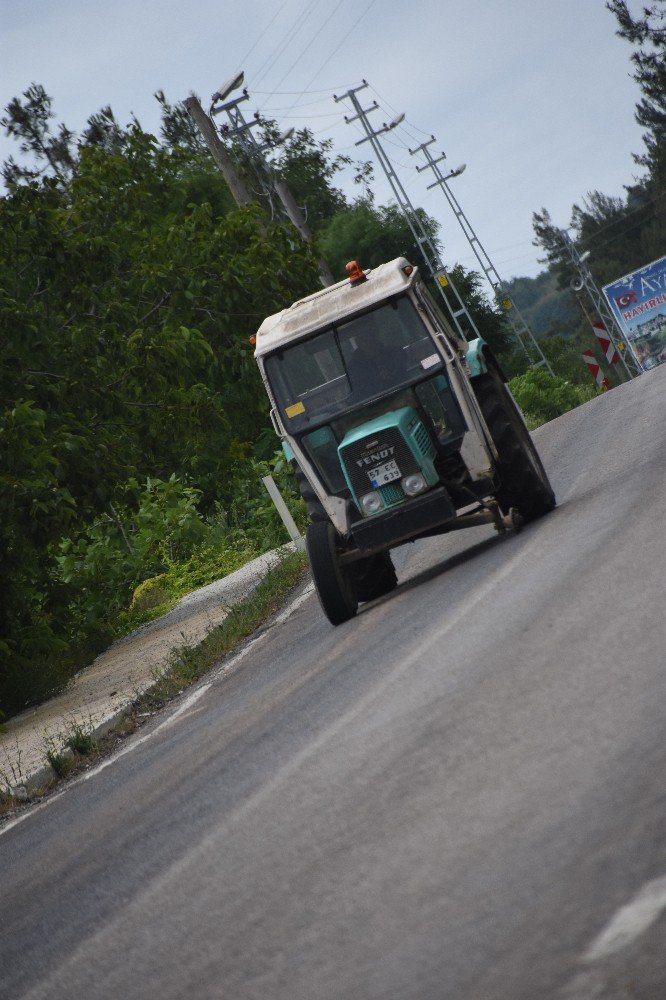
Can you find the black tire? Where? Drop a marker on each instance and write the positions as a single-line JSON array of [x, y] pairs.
[[313, 504], [523, 480], [375, 576], [336, 584]]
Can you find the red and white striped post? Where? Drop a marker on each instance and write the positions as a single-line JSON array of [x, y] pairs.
[[593, 366], [606, 343]]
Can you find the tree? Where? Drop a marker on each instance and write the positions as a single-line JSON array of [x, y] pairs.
[[28, 119], [307, 167], [623, 234], [543, 397], [543, 305], [125, 315], [549, 239], [648, 31], [373, 235]]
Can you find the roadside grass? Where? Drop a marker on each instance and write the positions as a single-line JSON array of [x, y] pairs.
[[77, 748], [190, 663], [158, 595]]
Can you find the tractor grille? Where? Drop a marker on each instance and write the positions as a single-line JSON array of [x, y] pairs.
[[391, 494], [391, 438], [422, 440]]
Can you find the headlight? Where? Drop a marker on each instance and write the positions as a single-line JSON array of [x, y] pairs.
[[371, 503], [413, 484]]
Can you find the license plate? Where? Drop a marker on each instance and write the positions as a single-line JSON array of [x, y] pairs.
[[384, 474]]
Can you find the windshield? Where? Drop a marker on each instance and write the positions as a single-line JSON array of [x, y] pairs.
[[351, 363]]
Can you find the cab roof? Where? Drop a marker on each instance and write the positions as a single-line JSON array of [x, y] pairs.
[[333, 304]]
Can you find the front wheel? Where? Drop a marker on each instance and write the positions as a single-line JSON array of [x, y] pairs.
[[523, 480], [336, 585]]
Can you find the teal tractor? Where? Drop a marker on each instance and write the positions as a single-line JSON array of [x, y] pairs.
[[397, 429]]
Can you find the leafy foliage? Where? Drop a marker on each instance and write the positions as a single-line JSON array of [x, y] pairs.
[[373, 235], [309, 170], [490, 322], [543, 397], [127, 296], [621, 233], [649, 32], [625, 233], [543, 305], [29, 121]]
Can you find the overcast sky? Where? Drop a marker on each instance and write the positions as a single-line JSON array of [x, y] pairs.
[[535, 96]]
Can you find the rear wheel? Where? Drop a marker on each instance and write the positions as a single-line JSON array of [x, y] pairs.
[[336, 584], [375, 576], [523, 480]]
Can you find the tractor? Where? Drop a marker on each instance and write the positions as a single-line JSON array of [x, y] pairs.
[[397, 428]]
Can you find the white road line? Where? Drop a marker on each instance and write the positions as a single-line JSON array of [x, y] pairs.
[[630, 921], [588, 985]]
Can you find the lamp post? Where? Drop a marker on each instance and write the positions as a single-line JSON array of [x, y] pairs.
[[233, 83], [522, 332], [583, 281], [455, 173], [458, 312], [241, 129]]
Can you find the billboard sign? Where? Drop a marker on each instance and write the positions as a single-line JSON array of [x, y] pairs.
[[638, 303]]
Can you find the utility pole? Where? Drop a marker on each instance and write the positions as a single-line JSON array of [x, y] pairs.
[[521, 330], [224, 162], [585, 282], [456, 308], [268, 183], [241, 130]]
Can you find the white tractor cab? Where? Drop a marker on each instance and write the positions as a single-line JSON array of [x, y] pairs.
[[397, 428]]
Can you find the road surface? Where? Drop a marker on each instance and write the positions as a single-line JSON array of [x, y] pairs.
[[459, 794]]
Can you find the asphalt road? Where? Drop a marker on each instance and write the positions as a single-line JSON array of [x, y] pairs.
[[459, 794]]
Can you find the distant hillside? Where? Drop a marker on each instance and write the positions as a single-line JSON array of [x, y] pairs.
[[545, 308]]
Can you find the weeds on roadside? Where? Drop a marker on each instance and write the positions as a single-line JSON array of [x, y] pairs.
[[57, 756], [11, 772], [80, 740], [12, 788], [65, 751]]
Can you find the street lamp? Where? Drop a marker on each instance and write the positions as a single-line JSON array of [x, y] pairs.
[[233, 83], [455, 173], [523, 333]]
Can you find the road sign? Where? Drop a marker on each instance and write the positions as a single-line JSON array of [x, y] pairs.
[[638, 303]]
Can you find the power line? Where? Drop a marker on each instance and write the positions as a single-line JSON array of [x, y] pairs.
[[395, 111], [301, 104], [253, 47], [461, 318], [286, 39], [271, 111], [625, 215], [585, 282], [340, 44], [287, 93], [521, 330], [309, 45]]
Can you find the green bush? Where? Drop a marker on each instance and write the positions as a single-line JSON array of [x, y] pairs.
[[152, 545], [543, 397], [148, 529]]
